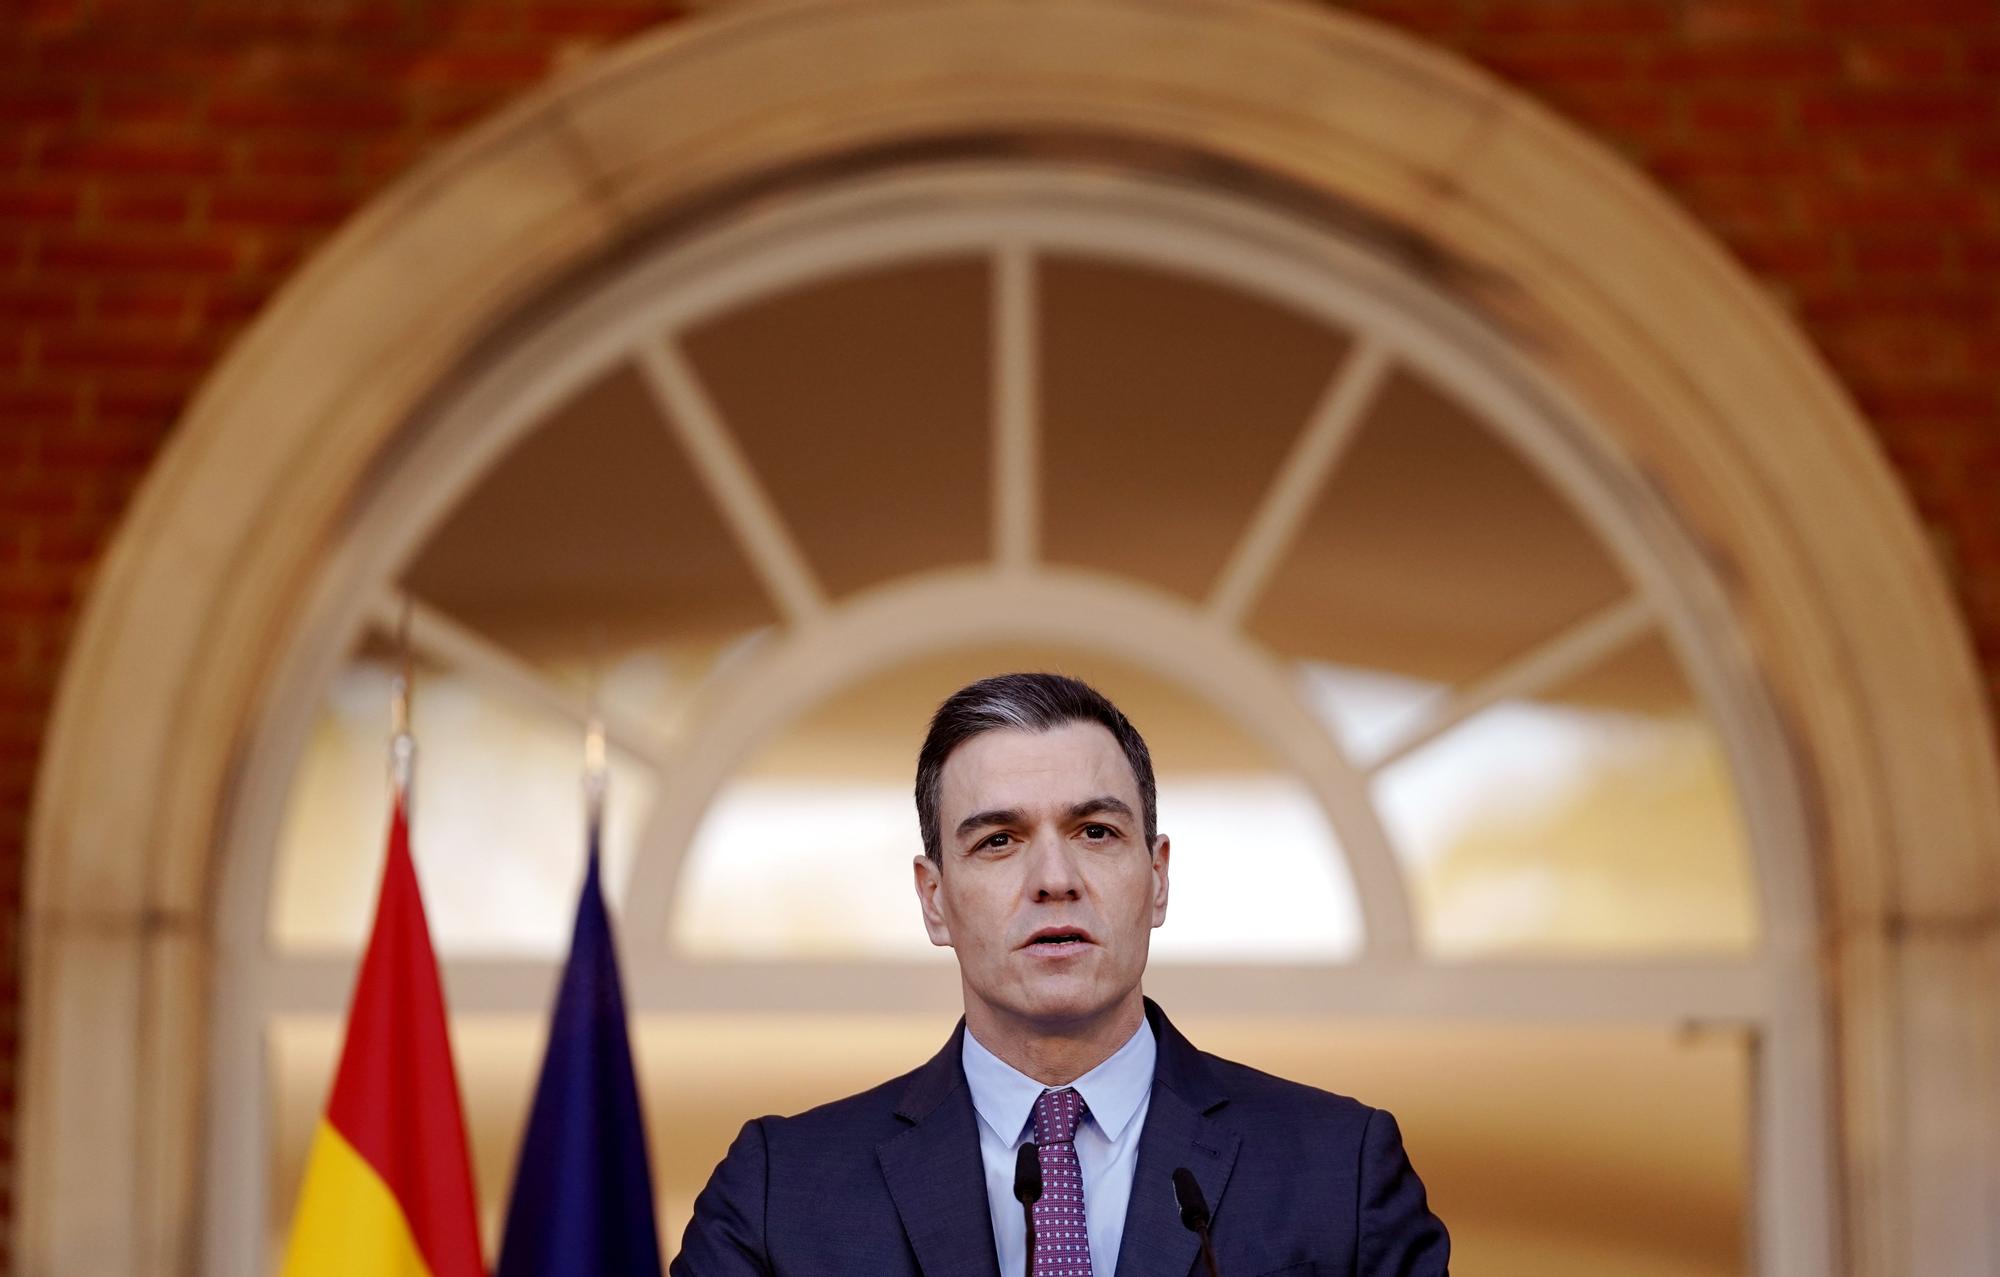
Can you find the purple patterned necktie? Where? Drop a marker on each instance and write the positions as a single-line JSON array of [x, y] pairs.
[[1062, 1242]]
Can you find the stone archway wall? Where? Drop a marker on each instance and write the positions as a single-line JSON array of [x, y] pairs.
[[1717, 401]]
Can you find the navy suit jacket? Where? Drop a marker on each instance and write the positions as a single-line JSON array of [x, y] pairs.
[[889, 1183]]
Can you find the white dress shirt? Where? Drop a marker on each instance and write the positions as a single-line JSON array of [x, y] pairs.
[[1117, 1092]]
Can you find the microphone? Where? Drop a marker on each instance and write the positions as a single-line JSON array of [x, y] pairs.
[[1028, 1191], [1194, 1214]]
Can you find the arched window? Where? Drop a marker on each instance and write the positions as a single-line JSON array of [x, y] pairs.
[[1457, 756]]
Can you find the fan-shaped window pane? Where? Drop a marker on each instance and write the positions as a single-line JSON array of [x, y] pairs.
[[1435, 552], [1168, 403], [1596, 817], [808, 850], [861, 402], [496, 822], [595, 524]]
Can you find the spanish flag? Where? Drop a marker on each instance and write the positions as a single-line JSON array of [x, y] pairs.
[[388, 1187]]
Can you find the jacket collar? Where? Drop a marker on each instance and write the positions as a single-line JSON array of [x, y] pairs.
[[934, 1172], [1181, 1130], [938, 1184]]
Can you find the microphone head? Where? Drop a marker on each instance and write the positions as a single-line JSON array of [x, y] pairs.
[[1028, 1175], [1187, 1194]]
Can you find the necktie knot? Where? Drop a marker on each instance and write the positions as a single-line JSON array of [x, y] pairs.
[[1057, 1115]]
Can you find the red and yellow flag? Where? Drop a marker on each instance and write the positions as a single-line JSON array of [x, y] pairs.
[[388, 1187]]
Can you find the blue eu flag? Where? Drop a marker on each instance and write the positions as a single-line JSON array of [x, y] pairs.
[[583, 1192]]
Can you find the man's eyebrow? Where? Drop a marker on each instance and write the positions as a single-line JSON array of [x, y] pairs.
[[1101, 805], [997, 816]]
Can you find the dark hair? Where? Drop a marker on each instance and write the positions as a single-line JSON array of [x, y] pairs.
[[1030, 703]]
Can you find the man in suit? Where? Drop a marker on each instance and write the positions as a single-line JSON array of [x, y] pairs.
[[1044, 872]]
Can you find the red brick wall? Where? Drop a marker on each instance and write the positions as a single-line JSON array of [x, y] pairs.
[[164, 167]]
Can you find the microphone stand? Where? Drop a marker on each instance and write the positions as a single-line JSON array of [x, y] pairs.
[[1028, 1191], [1194, 1215]]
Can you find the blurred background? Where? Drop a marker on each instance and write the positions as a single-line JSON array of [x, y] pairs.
[[1524, 729]]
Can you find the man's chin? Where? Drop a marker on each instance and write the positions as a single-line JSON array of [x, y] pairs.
[[1055, 1009]]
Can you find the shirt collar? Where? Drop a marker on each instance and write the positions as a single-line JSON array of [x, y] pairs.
[[1005, 1097]]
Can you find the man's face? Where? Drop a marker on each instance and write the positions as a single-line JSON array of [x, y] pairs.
[[1047, 890]]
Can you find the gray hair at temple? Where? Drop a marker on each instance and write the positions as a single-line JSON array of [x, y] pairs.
[[1028, 703]]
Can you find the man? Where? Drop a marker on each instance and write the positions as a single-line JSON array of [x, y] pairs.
[[1044, 872]]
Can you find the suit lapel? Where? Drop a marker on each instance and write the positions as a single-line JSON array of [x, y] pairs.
[[935, 1174], [1179, 1132]]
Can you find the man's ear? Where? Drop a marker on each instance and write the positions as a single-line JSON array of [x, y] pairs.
[[930, 881], [1162, 851]]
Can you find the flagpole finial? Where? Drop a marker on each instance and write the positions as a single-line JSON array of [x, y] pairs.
[[596, 777], [402, 744], [596, 771]]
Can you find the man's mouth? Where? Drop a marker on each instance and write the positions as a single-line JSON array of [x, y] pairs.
[[1054, 940]]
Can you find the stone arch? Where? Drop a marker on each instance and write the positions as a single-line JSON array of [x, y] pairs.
[[1711, 392]]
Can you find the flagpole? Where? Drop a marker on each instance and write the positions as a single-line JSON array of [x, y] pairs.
[[388, 1186], [582, 1201]]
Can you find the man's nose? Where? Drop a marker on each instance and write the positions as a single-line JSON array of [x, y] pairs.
[[1052, 869]]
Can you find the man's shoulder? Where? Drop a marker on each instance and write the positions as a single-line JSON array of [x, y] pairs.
[[874, 1108], [1260, 1097]]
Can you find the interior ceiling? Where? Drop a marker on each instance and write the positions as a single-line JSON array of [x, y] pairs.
[[1167, 406]]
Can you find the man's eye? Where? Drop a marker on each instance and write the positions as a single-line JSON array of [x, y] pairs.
[[996, 840], [1097, 833]]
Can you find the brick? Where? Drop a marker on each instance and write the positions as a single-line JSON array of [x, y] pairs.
[[1622, 114], [1920, 255], [295, 157], [1755, 64], [236, 303], [1884, 60], [1743, 206], [355, 21], [310, 113], [595, 17], [1894, 349], [1863, 15], [1741, 112], [1576, 17], [452, 112], [1900, 108], [1947, 407], [494, 69], [1797, 256], [1567, 61], [114, 254], [153, 206], [74, 451], [1719, 21], [41, 200], [1895, 162], [40, 301], [309, 208], [1914, 303], [1937, 208], [121, 107], [40, 104], [90, 349], [166, 158], [1735, 158], [122, 301]]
